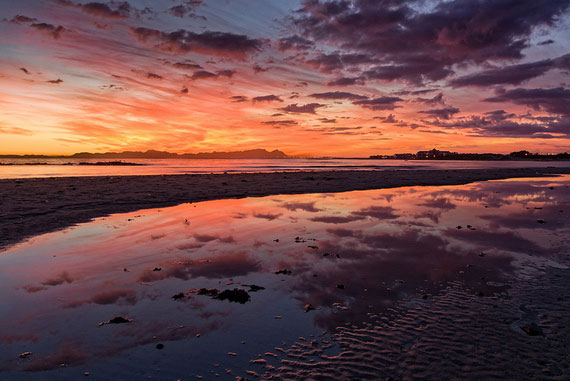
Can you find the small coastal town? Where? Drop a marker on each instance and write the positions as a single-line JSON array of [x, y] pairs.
[[435, 154]]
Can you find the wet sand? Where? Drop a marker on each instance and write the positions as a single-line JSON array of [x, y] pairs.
[[468, 281], [29, 207]]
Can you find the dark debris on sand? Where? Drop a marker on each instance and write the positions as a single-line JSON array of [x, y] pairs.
[[116, 320], [236, 295], [178, 296], [254, 287]]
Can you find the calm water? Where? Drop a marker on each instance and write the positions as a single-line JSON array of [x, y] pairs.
[[390, 275], [58, 167]]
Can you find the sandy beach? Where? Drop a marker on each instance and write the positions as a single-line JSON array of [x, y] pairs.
[[34, 206]]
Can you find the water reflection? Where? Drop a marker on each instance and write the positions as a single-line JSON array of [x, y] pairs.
[[348, 256]]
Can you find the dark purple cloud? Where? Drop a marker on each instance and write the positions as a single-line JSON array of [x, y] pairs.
[[335, 61], [287, 122], [421, 43], [380, 103], [120, 9], [438, 99], [309, 108], [204, 74], [426, 68], [186, 65], [20, 19], [338, 95], [499, 115], [154, 76], [346, 81], [553, 100], [443, 113], [226, 73], [182, 10], [183, 41], [496, 124], [238, 98], [513, 74], [49, 29], [388, 119], [258, 69], [294, 43], [339, 130], [267, 98], [337, 219]]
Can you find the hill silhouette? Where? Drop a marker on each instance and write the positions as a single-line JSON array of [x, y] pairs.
[[153, 154]]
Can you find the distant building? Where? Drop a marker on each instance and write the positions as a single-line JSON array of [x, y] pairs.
[[433, 154], [404, 156]]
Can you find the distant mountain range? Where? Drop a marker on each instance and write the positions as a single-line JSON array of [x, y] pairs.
[[152, 154]]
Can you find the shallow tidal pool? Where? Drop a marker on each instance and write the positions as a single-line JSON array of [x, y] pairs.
[[407, 282]]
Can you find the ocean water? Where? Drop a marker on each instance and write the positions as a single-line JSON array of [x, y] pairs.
[[412, 282], [28, 168]]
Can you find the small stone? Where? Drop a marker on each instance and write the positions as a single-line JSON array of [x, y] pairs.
[[532, 329], [117, 320], [25, 355], [159, 346], [309, 307], [178, 296], [255, 288]]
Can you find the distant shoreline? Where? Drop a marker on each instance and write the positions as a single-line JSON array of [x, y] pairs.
[[117, 160], [40, 205], [100, 163], [152, 154]]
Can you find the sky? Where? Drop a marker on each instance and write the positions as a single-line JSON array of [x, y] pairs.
[[310, 77]]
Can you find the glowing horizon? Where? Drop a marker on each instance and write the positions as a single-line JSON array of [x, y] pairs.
[[309, 78]]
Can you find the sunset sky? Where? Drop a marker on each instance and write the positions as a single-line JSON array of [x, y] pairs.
[[313, 77]]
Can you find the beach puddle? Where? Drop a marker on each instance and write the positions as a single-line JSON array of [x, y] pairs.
[[350, 284]]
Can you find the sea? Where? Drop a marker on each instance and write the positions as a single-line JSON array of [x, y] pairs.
[[66, 167]]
